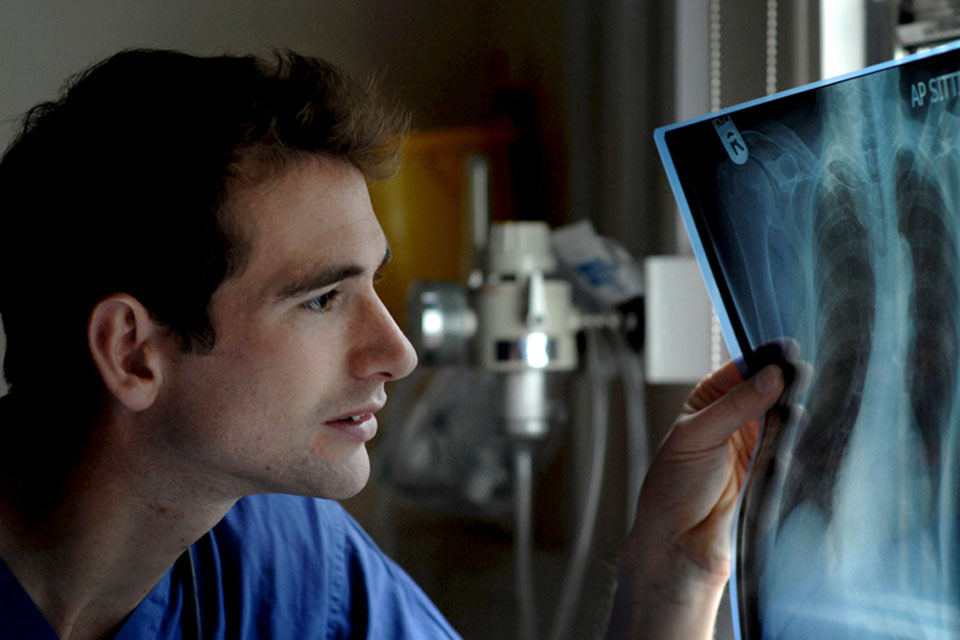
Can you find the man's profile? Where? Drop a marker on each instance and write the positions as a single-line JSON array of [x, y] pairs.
[[194, 321]]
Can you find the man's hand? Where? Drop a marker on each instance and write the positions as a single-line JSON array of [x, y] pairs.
[[677, 557]]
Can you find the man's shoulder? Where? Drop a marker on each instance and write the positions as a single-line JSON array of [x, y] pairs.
[[281, 566], [272, 549]]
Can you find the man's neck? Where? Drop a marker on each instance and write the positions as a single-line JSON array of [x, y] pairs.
[[88, 543]]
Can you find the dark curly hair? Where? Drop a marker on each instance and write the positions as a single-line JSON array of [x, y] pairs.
[[120, 185]]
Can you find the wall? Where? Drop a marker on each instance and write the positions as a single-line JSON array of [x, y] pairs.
[[428, 50]]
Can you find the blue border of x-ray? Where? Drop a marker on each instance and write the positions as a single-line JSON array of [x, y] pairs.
[[733, 332]]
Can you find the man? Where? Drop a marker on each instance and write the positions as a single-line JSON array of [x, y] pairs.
[[194, 339]]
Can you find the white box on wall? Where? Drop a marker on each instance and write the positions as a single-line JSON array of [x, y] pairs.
[[677, 319]]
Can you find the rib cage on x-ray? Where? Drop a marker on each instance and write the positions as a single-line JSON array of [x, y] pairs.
[[841, 232]]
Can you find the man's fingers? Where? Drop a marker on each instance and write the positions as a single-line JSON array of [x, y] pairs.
[[747, 401], [714, 386]]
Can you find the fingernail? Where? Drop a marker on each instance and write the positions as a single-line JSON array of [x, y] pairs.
[[768, 379]]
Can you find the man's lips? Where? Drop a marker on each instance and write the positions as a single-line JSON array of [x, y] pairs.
[[358, 414], [359, 424]]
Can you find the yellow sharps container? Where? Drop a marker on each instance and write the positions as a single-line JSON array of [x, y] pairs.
[[425, 210]]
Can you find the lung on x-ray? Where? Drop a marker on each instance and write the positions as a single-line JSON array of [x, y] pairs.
[[830, 215]]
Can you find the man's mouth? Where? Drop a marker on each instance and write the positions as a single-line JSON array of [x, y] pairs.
[[361, 426], [351, 419]]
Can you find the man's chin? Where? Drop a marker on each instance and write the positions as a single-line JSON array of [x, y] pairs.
[[353, 477], [337, 479]]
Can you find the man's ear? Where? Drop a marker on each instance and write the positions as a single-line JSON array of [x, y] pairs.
[[127, 348]]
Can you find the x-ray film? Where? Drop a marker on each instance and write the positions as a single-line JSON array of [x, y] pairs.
[[830, 215]]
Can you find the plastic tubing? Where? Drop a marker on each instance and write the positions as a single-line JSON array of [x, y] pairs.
[[523, 541], [638, 442], [573, 583]]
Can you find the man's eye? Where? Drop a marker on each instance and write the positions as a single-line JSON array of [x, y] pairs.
[[322, 302]]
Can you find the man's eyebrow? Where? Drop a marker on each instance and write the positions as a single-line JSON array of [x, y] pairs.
[[326, 277]]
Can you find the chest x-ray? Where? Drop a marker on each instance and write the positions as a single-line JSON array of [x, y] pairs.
[[831, 215]]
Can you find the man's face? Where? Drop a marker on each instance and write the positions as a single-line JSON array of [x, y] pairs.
[[284, 401]]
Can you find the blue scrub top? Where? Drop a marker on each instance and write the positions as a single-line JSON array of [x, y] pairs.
[[274, 567]]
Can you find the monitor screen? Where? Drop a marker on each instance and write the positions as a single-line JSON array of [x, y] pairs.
[[829, 215]]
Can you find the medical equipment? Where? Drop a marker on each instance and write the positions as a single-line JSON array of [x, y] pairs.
[[499, 351]]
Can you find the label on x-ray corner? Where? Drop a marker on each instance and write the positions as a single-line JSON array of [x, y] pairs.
[[938, 89], [731, 139]]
